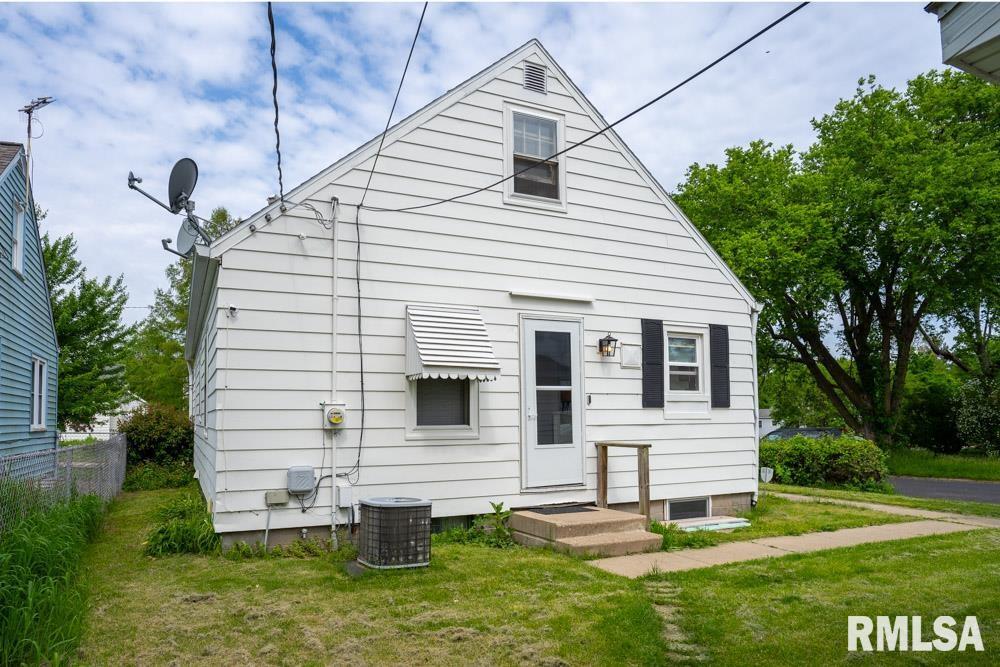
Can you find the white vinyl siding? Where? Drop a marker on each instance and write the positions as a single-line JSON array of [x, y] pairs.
[[611, 238], [39, 393]]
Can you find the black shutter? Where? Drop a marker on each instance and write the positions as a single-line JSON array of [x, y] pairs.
[[719, 353], [652, 364]]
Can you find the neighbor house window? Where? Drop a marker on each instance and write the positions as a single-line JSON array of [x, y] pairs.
[[17, 250], [684, 361], [39, 400]]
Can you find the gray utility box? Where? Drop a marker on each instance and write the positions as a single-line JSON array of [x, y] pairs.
[[395, 532], [301, 480]]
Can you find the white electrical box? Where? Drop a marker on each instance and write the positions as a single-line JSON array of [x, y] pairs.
[[334, 415]]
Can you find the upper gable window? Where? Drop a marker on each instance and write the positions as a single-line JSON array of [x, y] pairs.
[[533, 137], [17, 251]]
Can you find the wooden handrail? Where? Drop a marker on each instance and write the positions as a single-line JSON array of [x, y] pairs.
[[642, 450]]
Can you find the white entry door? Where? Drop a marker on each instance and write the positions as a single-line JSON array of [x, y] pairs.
[[552, 402]]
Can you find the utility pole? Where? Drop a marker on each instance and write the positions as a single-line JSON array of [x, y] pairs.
[[29, 109]]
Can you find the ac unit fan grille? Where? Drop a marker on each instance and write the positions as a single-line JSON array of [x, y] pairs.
[[395, 537]]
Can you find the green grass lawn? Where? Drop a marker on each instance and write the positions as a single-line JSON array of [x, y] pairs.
[[922, 463], [473, 605], [793, 610], [777, 516], [957, 506]]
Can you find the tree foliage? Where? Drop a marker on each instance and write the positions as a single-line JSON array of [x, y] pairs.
[[156, 370], [87, 313], [852, 244], [794, 399]]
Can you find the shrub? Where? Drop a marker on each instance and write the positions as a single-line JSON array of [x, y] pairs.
[[183, 526], [152, 476], [979, 414], [847, 461], [41, 601], [491, 530], [927, 416], [158, 434]]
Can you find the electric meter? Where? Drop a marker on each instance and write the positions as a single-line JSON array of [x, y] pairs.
[[334, 415]]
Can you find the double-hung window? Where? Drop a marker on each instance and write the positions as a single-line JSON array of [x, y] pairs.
[[39, 390], [532, 138], [684, 359], [17, 250]]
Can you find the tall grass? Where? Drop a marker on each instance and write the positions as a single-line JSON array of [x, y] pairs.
[[41, 601], [183, 526]]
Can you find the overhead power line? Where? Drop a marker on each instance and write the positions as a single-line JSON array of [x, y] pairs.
[[648, 104], [274, 98], [357, 257]]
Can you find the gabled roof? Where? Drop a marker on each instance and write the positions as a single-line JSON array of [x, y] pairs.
[[8, 153], [533, 47]]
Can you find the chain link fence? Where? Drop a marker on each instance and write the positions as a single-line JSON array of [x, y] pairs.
[[36, 480]]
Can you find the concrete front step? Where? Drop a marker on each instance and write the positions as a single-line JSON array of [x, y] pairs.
[[610, 544], [552, 527]]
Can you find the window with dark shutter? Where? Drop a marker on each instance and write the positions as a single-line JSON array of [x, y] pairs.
[[719, 367], [652, 364]]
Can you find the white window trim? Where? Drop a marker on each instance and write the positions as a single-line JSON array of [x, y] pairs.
[[457, 432], [700, 399], [17, 247], [37, 391], [517, 199]]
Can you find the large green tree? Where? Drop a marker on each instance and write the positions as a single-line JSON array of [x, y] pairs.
[[852, 244], [92, 337], [156, 370]]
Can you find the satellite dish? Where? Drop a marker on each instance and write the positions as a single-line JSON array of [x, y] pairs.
[[183, 178], [186, 236]]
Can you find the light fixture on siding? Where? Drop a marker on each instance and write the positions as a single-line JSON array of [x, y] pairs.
[[606, 346]]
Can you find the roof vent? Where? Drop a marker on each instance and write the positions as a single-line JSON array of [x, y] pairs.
[[534, 77]]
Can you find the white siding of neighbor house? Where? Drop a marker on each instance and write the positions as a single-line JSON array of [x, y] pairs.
[[617, 243]]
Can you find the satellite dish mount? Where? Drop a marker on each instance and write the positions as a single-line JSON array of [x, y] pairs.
[[180, 187]]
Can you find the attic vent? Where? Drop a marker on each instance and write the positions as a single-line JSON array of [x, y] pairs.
[[534, 77]]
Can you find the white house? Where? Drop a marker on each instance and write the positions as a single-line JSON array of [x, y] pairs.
[[480, 323]]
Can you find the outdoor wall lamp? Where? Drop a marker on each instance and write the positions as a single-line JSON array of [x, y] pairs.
[[606, 346]]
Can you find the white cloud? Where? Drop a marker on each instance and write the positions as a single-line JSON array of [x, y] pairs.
[[138, 86]]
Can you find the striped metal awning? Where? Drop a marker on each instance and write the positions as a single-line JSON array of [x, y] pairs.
[[448, 343]]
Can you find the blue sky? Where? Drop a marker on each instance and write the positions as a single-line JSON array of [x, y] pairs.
[[139, 86]]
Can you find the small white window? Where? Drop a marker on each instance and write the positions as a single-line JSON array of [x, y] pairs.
[[17, 251], [39, 389], [443, 408], [694, 508], [684, 361], [532, 138]]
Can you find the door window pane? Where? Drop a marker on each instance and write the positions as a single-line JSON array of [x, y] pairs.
[[683, 350], [553, 359], [555, 417], [442, 402]]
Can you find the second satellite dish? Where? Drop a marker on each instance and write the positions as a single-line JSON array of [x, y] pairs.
[[186, 236], [183, 178]]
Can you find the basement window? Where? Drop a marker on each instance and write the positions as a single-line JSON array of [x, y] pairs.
[[695, 508]]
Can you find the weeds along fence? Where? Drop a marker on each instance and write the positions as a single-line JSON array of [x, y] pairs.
[[36, 480]]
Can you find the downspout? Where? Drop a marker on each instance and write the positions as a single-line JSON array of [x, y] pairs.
[[334, 510], [754, 316]]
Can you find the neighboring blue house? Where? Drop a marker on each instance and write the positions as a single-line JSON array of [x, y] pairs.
[[29, 355]]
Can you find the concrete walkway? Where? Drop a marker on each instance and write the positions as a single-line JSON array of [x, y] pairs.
[[930, 523]]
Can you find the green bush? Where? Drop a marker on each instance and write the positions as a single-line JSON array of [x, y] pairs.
[[847, 461], [927, 417], [183, 526], [158, 434], [491, 530], [152, 476], [41, 601], [979, 414]]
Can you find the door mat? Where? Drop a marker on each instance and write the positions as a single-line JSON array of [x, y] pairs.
[[565, 509]]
